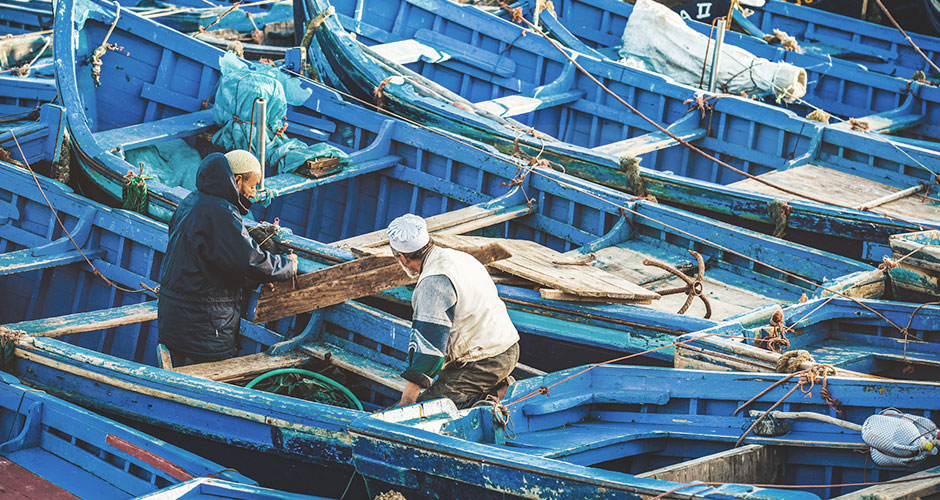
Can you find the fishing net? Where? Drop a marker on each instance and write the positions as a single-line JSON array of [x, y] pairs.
[[300, 386], [134, 193], [172, 162], [241, 85]]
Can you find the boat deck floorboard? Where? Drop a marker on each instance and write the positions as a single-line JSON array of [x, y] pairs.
[[843, 189], [18, 483]]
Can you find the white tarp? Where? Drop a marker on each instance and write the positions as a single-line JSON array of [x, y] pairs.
[[658, 40]]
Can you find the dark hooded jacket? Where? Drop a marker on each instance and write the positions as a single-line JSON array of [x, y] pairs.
[[209, 260]]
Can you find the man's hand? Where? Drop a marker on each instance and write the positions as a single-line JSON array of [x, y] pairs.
[[409, 395]]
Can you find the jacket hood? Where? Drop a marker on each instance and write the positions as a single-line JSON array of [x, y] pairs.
[[215, 178]]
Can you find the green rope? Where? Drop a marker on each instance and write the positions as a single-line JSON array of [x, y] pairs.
[[293, 382], [8, 339], [134, 193], [635, 184]]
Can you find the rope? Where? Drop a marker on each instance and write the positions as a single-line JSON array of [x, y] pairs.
[[104, 47], [134, 191], [908, 38], [202, 29], [55, 213], [314, 25]]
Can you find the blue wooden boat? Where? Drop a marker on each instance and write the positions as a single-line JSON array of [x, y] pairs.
[[207, 487], [94, 342], [634, 432], [22, 97], [25, 16], [516, 83], [877, 47], [890, 102], [394, 168], [54, 449], [39, 143], [898, 340]]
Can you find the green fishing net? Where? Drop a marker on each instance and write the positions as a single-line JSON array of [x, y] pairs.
[[303, 387]]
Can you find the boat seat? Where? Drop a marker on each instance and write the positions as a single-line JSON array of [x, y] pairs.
[[887, 122], [355, 363], [282, 184], [647, 143], [145, 134], [88, 321], [409, 51], [515, 105], [243, 368], [26, 259]]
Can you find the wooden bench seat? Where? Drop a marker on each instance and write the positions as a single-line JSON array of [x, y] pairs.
[[515, 105], [144, 134], [243, 368], [647, 143], [26, 260], [88, 321]]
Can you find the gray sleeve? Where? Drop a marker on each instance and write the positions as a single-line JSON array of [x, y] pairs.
[[433, 300]]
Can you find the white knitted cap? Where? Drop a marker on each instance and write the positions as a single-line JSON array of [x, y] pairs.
[[242, 162], [408, 233]]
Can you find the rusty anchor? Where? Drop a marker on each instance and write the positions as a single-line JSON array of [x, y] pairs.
[[693, 286]]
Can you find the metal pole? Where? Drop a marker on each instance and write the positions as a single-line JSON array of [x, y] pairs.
[[719, 41], [538, 10], [261, 108]]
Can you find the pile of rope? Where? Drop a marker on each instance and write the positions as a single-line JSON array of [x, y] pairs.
[[134, 192], [780, 37]]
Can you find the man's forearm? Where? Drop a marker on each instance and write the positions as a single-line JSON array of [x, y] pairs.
[[409, 395]]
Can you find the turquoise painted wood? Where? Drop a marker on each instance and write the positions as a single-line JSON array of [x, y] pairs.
[[488, 67], [918, 263], [616, 432], [58, 446], [897, 340]]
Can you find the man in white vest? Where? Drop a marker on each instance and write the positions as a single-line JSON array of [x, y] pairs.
[[461, 333]]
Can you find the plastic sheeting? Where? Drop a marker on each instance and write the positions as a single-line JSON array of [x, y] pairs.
[[657, 39], [240, 86], [899, 439]]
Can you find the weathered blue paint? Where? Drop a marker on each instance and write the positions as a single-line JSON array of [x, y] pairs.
[[26, 16], [74, 449], [752, 136], [841, 332], [594, 435], [206, 487], [877, 47], [918, 258], [842, 88], [23, 96]]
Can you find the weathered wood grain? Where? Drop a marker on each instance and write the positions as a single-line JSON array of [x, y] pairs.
[[748, 464], [243, 367]]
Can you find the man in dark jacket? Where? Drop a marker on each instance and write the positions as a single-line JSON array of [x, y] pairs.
[[210, 259]]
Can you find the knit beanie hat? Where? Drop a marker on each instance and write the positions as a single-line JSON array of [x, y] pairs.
[[242, 162]]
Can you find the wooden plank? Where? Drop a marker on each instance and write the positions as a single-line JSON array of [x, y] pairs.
[[747, 464], [408, 51], [18, 483], [515, 105], [135, 136], [928, 487], [24, 260], [546, 266], [357, 364], [463, 219], [647, 143], [553, 294], [88, 321], [841, 188], [243, 367], [342, 282]]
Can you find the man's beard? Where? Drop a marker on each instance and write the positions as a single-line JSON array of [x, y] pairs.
[[411, 274]]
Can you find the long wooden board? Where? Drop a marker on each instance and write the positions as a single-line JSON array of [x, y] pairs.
[[243, 367], [844, 189], [347, 281], [555, 270]]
